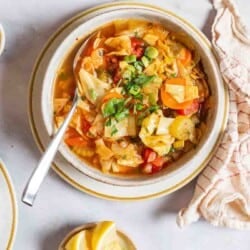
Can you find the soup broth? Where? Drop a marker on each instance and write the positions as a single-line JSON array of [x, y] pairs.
[[144, 98]]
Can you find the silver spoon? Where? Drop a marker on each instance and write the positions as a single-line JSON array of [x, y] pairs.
[[44, 164]]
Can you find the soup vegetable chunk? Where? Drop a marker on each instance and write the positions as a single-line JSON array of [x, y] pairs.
[[144, 98]]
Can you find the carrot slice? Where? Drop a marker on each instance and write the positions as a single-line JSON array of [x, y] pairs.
[[185, 56], [176, 80], [170, 102], [111, 95], [73, 138], [71, 132]]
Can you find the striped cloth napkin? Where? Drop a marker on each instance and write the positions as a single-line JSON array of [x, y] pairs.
[[222, 192]]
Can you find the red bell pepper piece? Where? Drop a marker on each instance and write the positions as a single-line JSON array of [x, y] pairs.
[[193, 108], [137, 45]]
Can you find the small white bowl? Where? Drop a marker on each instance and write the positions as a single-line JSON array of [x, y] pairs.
[[2, 39], [198, 157], [123, 238]]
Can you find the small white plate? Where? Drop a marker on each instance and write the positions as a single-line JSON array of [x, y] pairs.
[[8, 210], [2, 39]]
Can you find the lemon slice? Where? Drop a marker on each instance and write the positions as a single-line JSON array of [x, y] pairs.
[[104, 237], [80, 241]]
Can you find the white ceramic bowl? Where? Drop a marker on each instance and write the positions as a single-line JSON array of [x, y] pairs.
[[217, 118]]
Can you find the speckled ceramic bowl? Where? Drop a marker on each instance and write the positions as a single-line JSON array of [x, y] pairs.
[[191, 163], [122, 237]]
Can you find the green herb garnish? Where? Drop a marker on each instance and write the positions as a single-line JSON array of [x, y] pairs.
[[134, 90], [133, 87], [138, 66], [114, 130], [108, 122], [153, 108], [121, 115], [115, 108], [130, 58], [127, 74], [146, 112], [139, 96], [143, 79], [145, 61], [139, 106]]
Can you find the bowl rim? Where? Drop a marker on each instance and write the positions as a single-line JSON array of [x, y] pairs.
[[67, 175]]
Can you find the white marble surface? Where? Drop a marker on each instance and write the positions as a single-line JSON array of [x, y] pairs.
[[59, 207]]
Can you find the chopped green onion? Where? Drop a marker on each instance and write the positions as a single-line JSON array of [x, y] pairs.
[[134, 90], [113, 106], [144, 79], [120, 116], [138, 66], [131, 68], [114, 130], [146, 112], [127, 74], [153, 108], [139, 96], [145, 61], [139, 106], [151, 52], [108, 122], [130, 58]]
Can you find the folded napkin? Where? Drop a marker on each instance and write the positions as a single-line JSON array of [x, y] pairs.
[[222, 192]]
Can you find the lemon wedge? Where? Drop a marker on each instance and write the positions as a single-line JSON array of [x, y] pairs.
[[104, 237], [80, 241]]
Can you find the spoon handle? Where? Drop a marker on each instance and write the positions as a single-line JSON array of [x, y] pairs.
[[42, 169]]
